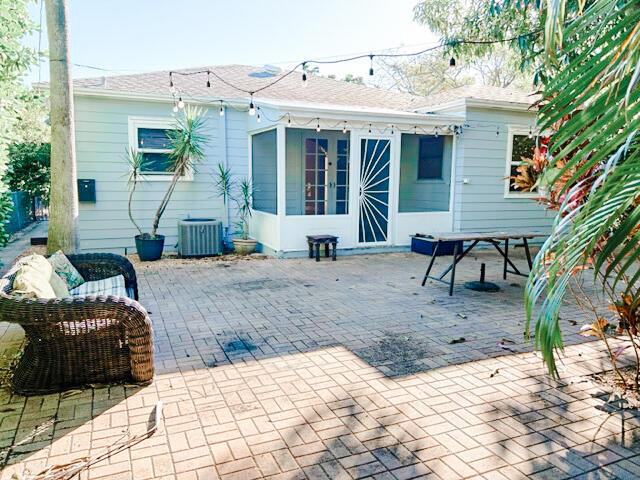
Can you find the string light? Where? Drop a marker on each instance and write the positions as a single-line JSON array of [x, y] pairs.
[[344, 127], [304, 73], [318, 126], [436, 131], [170, 79], [252, 108], [530, 132], [221, 109], [498, 130], [289, 119], [392, 129], [258, 119], [371, 65], [415, 129], [175, 108], [369, 128], [208, 81], [180, 103]]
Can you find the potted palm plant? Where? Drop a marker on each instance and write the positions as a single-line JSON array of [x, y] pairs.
[[242, 196], [187, 142]]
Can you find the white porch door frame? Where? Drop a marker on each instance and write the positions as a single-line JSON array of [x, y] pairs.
[[394, 169]]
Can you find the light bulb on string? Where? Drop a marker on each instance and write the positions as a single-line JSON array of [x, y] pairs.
[[436, 132], [288, 119], [175, 108], [371, 66], [318, 126], [497, 131], [344, 127], [369, 128], [208, 80], [530, 132], [170, 79], [221, 109], [415, 129], [258, 119], [392, 130], [304, 74], [180, 103], [252, 108]]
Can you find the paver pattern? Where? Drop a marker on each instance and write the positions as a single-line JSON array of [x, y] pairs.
[[346, 370]]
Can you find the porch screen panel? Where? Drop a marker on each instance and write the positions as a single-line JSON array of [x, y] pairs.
[[264, 171]]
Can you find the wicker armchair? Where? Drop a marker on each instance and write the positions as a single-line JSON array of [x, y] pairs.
[[78, 341]]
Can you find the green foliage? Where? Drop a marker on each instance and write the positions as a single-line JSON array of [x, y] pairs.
[[241, 193], [456, 20], [593, 105], [243, 200], [6, 207], [15, 58], [187, 150], [135, 161], [28, 169], [224, 183]]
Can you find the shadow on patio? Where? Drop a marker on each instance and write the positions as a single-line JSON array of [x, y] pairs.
[[346, 368]]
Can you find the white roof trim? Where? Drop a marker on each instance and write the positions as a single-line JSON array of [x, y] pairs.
[[480, 103]]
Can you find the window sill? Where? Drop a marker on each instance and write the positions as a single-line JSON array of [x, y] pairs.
[[161, 177], [526, 195]]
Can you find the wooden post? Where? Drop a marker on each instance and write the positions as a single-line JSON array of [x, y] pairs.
[[63, 208]]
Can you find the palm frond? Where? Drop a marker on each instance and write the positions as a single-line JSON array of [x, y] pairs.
[[593, 105]]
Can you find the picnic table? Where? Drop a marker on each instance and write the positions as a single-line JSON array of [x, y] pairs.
[[493, 238]]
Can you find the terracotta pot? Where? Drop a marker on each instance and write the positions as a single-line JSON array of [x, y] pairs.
[[244, 247]]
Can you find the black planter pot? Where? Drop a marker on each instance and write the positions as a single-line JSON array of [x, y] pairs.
[[149, 249]]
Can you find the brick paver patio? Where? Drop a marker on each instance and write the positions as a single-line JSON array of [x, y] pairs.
[[347, 369]]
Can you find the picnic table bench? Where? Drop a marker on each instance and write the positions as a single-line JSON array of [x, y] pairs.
[[493, 238]]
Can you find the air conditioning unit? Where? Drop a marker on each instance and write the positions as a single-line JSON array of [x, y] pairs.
[[199, 237]]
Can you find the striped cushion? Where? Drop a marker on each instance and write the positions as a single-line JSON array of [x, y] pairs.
[[106, 286]]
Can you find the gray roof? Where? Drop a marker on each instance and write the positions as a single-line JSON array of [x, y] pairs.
[[482, 92], [318, 90]]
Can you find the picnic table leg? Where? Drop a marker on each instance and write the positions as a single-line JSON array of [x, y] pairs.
[[528, 252], [317, 252], [310, 249], [334, 245], [433, 258], [453, 270], [506, 256], [326, 250]]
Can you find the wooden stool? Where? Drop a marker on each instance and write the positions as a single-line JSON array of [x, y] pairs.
[[326, 240]]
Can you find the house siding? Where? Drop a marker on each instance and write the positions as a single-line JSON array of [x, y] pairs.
[[102, 137], [480, 205]]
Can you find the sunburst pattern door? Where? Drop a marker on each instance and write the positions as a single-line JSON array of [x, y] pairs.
[[375, 158]]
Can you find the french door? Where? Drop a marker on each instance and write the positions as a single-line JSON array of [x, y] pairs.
[[374, 190], [326, 176]]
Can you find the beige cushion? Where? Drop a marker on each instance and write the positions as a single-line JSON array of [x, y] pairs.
[[59, 286], [32, 278], [63, 267]]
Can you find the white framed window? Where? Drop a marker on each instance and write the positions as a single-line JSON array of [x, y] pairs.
[[520, 144], [150, 137]]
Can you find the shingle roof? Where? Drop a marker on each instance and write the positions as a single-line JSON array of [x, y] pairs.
[[481, 92], [318, 90]]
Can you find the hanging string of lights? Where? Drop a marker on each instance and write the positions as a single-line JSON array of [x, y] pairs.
[[253, 110]]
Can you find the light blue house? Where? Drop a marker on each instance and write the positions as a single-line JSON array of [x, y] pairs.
[[325, 157]]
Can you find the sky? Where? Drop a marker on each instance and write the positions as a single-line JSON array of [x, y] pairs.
[[133, 36]]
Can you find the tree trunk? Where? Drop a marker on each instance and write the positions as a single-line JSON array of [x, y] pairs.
[[63, 205]]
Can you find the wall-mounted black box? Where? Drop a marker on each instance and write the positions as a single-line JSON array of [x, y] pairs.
[[87, 190]]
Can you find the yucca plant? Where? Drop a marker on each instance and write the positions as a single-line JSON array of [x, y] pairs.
[[592, 106], [135, 161], [187, 150]]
